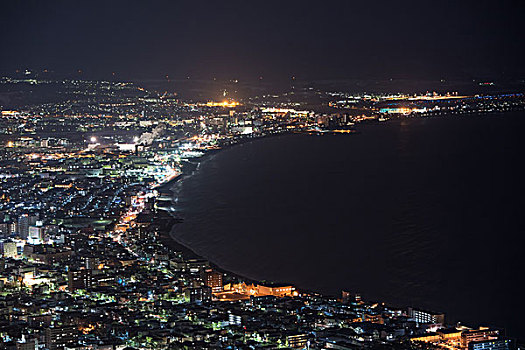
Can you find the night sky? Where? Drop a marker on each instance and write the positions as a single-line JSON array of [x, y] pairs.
[[273, 39]]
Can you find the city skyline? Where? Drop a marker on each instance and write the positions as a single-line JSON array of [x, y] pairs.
[[261, 175]]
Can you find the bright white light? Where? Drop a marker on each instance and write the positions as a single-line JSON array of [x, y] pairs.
[[93, 139], [135, 139]]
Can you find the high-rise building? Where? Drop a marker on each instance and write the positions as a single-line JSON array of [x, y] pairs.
[[23, 226], [36, 233], [213, 279], [91, 262], [24, 221], [345, 296], [9, 250], [4, 229], [58, 337], [7, 228], [79, 279], [198, 295]]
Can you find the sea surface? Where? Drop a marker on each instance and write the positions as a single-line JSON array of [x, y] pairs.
[[415, 212]]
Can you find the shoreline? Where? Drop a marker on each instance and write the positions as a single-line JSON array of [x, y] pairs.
[[168, 220], [172, 242]]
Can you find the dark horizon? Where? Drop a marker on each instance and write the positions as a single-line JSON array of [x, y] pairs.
[[276, 41]]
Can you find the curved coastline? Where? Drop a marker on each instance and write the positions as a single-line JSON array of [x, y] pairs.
[[172, 187], [168, 236]]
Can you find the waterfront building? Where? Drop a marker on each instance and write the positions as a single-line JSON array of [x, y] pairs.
[[495, 344], [422, 316], [478, 335], [213, 279]]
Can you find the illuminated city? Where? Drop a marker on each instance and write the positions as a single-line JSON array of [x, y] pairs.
[[85, 213], [88, 185]]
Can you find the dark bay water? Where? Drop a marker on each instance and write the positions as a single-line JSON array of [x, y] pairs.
[[422, 212]]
